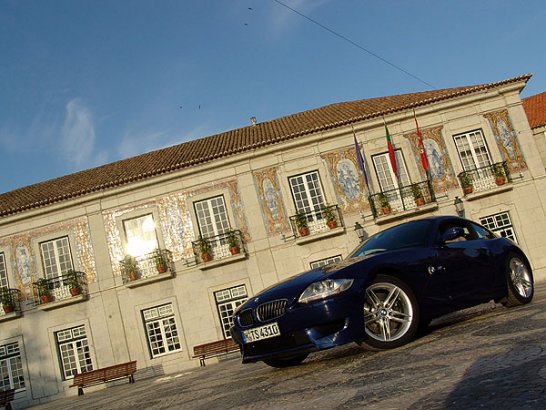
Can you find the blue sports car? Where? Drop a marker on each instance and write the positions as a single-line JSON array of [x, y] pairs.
[[393, 283]]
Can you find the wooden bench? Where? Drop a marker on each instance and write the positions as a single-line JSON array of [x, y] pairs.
[[103, 375], [213, 349], [6, 397]]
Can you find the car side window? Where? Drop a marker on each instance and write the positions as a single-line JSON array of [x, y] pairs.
[[467, 235], [481, 233]]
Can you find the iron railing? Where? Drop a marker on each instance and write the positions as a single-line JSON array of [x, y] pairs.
[[403, 198], [71, 284], [10, 301], [484, 178], [146, 266], [316, 221], [218, 247]]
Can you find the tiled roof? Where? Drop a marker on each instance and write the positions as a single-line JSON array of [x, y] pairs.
[[222, 145], [535, 108]]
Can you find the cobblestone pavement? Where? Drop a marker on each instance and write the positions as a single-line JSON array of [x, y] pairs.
[[486, 357]]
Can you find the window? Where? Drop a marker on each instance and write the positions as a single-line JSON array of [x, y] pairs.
[[140, 235], [472, 150], [501, 224], [73, 350], [227, 300], [56, 257], [212, 217], [385, 175], [325, 261], [307, 192], [11, 367], [161, 330], [3, 272]]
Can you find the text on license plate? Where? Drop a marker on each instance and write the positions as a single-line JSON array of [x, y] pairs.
[[262, 332]]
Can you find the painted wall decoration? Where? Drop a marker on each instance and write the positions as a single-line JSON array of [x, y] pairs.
[[348, 181], [24, 262], [440, 168], [507, 141], [272, 205]]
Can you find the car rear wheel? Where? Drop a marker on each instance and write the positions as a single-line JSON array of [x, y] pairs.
[[391, 313], [286, 361], [519, 282]]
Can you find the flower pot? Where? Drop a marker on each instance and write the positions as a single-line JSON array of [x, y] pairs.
[[468, 190], [132, 275], [419, 201], [386, 210], [45, 298], [332, 224], [500, 180], [206, 257], [8, 308], [161, 268], [234, 250], [74, 291], [304, 231]]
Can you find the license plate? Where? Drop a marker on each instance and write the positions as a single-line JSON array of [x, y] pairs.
[[261, 333]]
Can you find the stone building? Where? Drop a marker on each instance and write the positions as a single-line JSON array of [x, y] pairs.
[[68, 246]]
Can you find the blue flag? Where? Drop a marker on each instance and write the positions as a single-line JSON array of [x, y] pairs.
[[360, 162]]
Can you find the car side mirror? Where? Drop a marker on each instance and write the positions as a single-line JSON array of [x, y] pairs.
[[452, 233]]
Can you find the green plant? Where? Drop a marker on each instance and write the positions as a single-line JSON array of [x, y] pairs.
[[204, 245], [301, 219], [159, 258], [232, 239], [5, 296], [498, 170], [71, 280], [329, 212], [43, 287], [129, 263], [416, 191], [466, 179], [383, 200]]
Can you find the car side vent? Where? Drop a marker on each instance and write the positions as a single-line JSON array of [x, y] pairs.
[[245, 318], [271, 310]]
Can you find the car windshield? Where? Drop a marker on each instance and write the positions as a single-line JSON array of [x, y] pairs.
[[407, 235]]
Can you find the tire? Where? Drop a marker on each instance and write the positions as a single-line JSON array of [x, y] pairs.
[[286, 361], [519, 281], [391, 313]]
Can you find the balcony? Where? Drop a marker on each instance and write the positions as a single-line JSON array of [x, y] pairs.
[[64, 290], [484, 181], [148, 268], [10, 304], [219, 250], [317, 224], [410, 199]]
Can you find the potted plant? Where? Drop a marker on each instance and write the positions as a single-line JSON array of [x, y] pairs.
[[330, 215], [5, 298], [205, 248], [500, 176], [466, 182], [417, 194], [130, 267], [160, 262], [384, 203], [233, 242], [301, 223], [71, 280], [43, 290]]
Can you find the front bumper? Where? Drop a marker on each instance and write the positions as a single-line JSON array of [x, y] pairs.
[[306, 328]]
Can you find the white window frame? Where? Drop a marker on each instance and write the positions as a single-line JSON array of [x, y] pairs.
[[148, 233], [325, 261], [501, 224], [307, 193], [161, 329], [53, 248], [212, 216], [473, 150], [385, 174], [74, 351], [11, 365], [4, 280], [227, 301]]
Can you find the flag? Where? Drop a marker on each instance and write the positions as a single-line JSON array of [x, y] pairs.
[[392, 155], [360, 161], [422, 150]]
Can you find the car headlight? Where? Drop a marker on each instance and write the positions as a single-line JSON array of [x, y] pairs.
[[324, 289]]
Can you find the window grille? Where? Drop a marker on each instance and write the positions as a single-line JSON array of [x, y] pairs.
[[161, 330], [74, 352], [325, 261], [11, 367], [227, 301], [501, 224]]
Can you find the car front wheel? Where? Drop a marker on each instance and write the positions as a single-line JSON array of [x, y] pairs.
[[391, 313], [519, 281]]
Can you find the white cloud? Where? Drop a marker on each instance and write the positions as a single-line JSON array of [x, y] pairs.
[[78, 134]]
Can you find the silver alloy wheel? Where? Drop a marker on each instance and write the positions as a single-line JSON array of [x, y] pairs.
[[388, 312], [520, 277]]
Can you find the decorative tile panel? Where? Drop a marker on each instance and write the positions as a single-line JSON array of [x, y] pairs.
[[507, 141], [272, 205]]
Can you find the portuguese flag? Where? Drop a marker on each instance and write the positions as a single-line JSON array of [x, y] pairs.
[[422, 150], [392, 156]]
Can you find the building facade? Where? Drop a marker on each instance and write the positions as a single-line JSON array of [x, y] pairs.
[[147, 257]]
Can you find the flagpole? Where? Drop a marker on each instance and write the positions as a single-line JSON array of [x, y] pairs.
[[392, 155]]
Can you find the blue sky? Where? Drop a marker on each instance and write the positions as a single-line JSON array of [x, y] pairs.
[[84, 83]]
